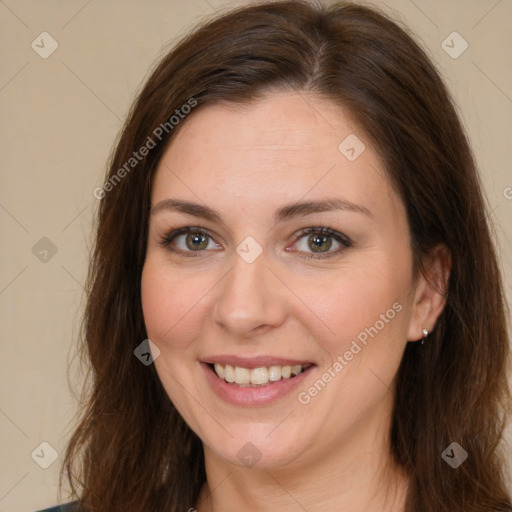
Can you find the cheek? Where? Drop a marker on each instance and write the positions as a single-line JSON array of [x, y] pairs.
[[169, 306], [365, 301]]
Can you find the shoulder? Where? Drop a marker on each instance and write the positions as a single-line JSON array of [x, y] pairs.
[[67, 507]]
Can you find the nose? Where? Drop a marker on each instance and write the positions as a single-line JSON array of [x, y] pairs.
[[251, 300]]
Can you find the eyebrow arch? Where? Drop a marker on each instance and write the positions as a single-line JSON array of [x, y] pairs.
[[298, 209]]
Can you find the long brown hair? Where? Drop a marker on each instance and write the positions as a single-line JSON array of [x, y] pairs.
[[131, 450]]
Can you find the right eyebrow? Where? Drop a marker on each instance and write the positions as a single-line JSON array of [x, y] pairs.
[[195, 209]]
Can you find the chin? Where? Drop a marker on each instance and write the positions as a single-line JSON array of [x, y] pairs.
[[253, 447]]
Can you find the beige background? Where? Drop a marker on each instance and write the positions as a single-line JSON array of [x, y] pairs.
[[59, 119]]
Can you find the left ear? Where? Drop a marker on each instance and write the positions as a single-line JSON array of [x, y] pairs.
[[430, 293]]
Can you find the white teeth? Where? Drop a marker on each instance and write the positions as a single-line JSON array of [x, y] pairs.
[[296, 369], [286, 371], [229, 373], [257, 376], [219, 369], [274, 373], [242, 375]]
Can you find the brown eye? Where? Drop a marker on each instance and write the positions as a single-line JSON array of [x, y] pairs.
[[188, 241], [196, 241], [319, 242]]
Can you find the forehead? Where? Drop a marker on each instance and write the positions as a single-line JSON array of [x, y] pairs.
[[295, 122], [280, 148]]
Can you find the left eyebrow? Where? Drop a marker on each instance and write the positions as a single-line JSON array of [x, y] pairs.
[[309, 207]]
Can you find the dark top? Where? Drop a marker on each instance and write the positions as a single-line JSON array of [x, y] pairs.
[[67, 507]]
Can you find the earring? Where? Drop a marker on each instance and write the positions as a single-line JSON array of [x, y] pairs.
[[425, 334]]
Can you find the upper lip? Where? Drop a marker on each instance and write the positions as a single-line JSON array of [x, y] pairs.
[[254, 362]]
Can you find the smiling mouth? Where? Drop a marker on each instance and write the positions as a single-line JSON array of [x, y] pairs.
[[256, 377]]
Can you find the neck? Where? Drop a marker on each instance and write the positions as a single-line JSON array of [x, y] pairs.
[[357, 476]]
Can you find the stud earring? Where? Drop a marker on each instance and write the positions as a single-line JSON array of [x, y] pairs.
[[425, 334]]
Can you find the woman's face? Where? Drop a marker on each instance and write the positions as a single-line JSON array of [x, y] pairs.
[[251, 289]]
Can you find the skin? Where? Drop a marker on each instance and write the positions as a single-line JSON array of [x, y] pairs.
[[246, 161]]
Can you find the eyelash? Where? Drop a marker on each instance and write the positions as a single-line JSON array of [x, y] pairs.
[[167, 239]]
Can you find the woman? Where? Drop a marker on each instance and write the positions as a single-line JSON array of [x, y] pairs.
[[294, 300]]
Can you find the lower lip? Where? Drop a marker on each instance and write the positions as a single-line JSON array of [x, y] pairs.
[[246, 395]]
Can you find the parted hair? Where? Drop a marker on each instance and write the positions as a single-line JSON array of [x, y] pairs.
[[131, 450]]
